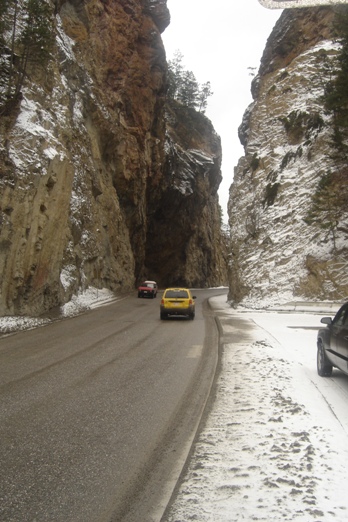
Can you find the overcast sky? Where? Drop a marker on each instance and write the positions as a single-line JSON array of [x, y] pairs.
[[220, 41]]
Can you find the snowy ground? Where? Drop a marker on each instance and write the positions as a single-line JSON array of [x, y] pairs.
[[274, 446], [88, 299]]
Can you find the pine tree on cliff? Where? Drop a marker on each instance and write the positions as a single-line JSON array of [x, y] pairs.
[[175, 74], [188, 92], [203, 95], [26, 39], [336, 91], [183, 85], [329, 203]]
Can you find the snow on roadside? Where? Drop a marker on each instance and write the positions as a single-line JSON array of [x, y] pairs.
[[90, 298], [271, 449], [9, 324]]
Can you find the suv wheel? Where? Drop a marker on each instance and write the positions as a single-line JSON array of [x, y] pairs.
[[324, 366]]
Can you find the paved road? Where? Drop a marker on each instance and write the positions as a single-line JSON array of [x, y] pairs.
[[96, 412]]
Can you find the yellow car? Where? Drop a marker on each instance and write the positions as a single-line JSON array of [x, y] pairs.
[[177, 301]]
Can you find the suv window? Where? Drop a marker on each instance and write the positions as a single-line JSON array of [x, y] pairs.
[[341, 316]]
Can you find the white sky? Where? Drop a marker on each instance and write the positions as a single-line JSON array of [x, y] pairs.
[[220, 40]]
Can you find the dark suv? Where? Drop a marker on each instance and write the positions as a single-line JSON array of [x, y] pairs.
[[147, 289], [332, 343]]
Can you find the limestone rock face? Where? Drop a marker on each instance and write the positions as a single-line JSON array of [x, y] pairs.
[[185, 245], [275, 256], [83, 163]]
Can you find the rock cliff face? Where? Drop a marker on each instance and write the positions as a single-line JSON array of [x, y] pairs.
[[184, 243], [89, 182], [276, 255]]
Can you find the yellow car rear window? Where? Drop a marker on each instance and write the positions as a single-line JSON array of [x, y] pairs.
[[178, 294]]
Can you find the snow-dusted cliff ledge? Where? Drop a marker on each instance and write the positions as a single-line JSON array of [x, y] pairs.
[[275, 256]]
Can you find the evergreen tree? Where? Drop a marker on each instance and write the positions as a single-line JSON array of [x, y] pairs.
[[184, 87], [26, 40], [329, 202], [4, 7], [203, 95], [336, 90], [36, 39], [188, 91], [175, 74], [5, 58]]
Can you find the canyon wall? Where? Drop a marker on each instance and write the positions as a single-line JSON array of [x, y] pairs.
[[277, 253], [90, 190]]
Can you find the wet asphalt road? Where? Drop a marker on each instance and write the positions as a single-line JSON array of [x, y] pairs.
[[96, 412]]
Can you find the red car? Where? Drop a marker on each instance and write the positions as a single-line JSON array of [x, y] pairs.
[[147, 289]]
